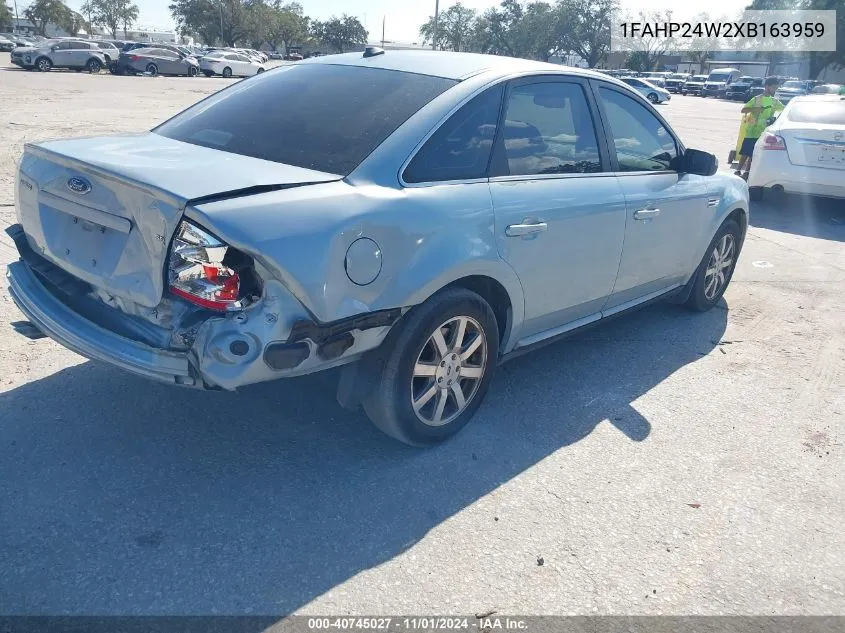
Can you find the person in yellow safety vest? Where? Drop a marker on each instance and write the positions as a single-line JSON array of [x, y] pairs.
[[759, 110]]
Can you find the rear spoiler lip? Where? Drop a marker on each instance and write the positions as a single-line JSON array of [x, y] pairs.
[[252, 191]]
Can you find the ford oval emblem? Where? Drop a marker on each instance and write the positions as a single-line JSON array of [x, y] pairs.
[[79, 185]]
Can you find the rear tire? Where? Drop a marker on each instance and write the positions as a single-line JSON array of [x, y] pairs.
[[192, 71], [43, 64], [716, 268], [652, 97], [227, 72], [259, 71], [438, 362], [152, 69], [94, 66]]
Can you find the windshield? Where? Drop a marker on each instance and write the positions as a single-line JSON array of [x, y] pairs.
[[317, 116], [793, 84], [719, 76], [820, 112]]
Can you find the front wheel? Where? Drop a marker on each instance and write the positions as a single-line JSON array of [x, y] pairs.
[[716, 268], [652, 97], [227, 72], [192, 71], [152, 69], [259, 71], [437, 369], [94, 66], [43, 64]]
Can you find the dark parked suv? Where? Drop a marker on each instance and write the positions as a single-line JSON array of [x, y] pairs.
[[675, 83], [742, 89]]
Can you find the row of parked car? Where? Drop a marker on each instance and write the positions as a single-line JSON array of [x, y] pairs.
[[727, 83], [132, 58]]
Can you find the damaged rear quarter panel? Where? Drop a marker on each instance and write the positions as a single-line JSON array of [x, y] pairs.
[[428, 237]]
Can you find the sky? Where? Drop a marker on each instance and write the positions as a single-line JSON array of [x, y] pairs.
[[402, 17]]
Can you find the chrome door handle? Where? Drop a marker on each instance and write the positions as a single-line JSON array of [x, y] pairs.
[[517, 230], [646, 214]]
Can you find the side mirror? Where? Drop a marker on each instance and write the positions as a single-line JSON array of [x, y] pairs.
[[694, 161], [54, 48]]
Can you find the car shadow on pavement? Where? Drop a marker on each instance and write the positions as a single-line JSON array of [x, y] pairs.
[[801, 215], [122, 496]]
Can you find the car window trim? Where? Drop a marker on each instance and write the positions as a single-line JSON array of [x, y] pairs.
[[596, 85], [598, 129]]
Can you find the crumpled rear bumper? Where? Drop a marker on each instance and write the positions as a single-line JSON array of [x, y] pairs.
[[73, 331]]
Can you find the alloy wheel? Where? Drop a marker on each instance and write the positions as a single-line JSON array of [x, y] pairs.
[[448, 371], [719, 267]]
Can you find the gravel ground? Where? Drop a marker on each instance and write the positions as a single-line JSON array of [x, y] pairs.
[[666, 463]]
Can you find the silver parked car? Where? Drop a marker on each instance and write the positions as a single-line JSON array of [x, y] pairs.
[[48, 54], [157, 61], [413, 216]]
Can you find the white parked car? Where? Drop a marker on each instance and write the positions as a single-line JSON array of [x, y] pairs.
[[653, 93], [230, 65], [803, 151]]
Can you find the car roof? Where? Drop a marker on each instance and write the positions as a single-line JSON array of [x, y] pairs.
[[448, 65], [818, 97]]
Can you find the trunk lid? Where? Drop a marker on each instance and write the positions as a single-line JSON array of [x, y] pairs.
[[105, 209], [814, 131], [816, 147]]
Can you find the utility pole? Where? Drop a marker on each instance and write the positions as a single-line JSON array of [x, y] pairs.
[[17, 18], [383, 20], [221, 23], [436, 20]]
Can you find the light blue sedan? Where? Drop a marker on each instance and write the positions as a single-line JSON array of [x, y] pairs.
[[415, 217]]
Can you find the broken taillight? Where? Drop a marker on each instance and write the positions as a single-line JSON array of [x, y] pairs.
[[198, 270]]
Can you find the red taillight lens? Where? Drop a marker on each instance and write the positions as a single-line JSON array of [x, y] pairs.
[[197, 272], [134, 58], [773, 141]]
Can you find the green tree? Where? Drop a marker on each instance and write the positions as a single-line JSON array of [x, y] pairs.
[[112, 13], [129, 16], [287, 25], [638, 61], [44, 12], [585, 28], [5, 17], [73, 23], [340, 34], [454, 29], [819, 60], [226, 21]]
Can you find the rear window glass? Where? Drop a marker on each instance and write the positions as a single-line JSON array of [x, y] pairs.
[[824, 112], [317, 116]]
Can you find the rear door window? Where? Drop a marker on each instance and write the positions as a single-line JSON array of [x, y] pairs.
[[548, 129], [460, 148], [333, 115]]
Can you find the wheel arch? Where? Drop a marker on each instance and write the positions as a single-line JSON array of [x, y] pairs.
[[495, 294]]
